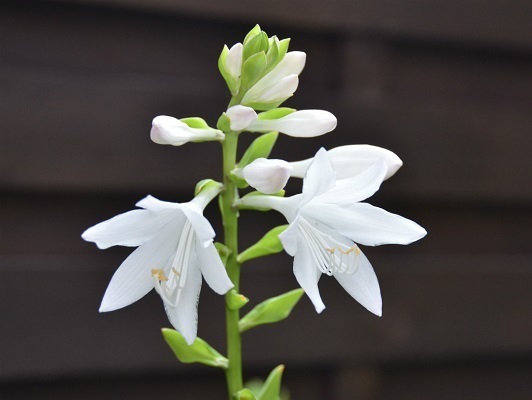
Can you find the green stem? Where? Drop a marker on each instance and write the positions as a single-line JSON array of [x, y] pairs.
[[230, 222]]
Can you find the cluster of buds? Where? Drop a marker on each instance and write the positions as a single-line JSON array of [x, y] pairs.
[[261, 73]]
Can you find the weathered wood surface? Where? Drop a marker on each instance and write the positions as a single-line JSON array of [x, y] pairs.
[[451, 95]]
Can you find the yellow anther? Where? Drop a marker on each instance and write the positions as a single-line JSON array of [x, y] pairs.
[[176, 272], [159, 274]]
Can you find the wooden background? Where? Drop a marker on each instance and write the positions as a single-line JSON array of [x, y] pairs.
[[447, 85]]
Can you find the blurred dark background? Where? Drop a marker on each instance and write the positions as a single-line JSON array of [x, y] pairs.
[[447, 85]]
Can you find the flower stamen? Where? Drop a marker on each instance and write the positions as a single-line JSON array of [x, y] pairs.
[[171, 287], [338, 258]]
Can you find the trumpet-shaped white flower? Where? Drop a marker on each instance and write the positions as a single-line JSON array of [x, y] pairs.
[[326, 222], [350, 160], [267, 175], [303, 123], [175, 248], [170, 130], [278, 84]]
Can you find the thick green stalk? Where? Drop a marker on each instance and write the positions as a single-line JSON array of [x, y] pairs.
[[230, 222]]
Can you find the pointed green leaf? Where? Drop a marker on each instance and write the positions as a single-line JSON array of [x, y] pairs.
[[196, 122], [261, 147], [235, 300], [272, 387], [276, 113], [252, 70], [199, 351], [244, 394], [268, 244], [270, 311]]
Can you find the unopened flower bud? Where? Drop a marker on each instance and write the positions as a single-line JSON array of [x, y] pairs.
[[267, 176], [304, 123], [170, 130], [240, 117], [277, 85]]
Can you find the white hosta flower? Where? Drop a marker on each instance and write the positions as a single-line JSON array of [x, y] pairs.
[[267, 176], [278, 84], [175, 248], [326, 222], [350, 160], [170, 130], [303, 123]]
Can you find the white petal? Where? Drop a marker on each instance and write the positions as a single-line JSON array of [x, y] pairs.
[[267, 176], [233, 62], [288, 238], [240, 117], [133, 279], [366, 224], [363, 285], [320, 176], [213, 269], [357, 188], [304, 123], [184, 317], [169, 130], [275, 83], [132, 228], [153, 204], [280, 91], [308, 274], [202, 227], [350, 160]]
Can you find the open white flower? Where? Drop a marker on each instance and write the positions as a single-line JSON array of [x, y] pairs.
[[352, 159], [170, 130], [278, 84], [302, 123], [325, 222], [175, 248]]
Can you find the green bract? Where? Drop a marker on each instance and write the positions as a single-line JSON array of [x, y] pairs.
[[272, 387], [272, 310], [235, 300], [223, 251], [253, 69], [268, 244], [206, 184], [259, 148], [199, 351], [244, 394], [276, 113], [196, 122]]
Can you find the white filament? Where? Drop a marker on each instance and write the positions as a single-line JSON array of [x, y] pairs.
[[331, 256], [170, 288]]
